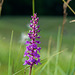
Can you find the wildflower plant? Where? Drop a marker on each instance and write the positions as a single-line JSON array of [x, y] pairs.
[[32, 48]]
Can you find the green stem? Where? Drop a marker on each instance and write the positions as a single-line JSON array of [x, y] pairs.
[[33, 6], [30, 70]]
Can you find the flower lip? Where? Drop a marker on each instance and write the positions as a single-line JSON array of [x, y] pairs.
[[31, 21], [38, 42]]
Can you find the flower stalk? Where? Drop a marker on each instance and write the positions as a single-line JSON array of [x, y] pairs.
[[30, 70], [32, 48]]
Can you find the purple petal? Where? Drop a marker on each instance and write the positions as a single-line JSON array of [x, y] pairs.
[[30, 25], [38, 26], [37, 19], [39, 48], [38, 37], [38, 42], [31, 21], [25, 62], [27, 42], [38, 31], [35, 15], [32, 17]]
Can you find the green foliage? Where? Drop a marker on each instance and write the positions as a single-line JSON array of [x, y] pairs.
[[58, 49], [9, 61], [49, 28], [71, 62]]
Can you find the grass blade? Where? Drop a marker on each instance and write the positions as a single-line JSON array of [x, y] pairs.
[[48, 66], [73, 52], [62, 72], [21, 70], [9, 61], [73, 71], [58, 49], [40, 67], [18, 56], [49, 61], [46, 63]]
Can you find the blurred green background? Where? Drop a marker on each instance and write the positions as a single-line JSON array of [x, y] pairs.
[[49, 28], [16, 16]]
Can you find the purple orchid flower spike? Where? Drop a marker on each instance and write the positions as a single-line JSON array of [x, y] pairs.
[[32, 49]]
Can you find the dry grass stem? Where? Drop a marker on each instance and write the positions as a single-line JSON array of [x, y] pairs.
[[64, 11], [72, 21], [1, 3], [64, 20]]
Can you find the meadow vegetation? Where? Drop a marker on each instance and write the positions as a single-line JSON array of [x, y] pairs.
[[49, 27]]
